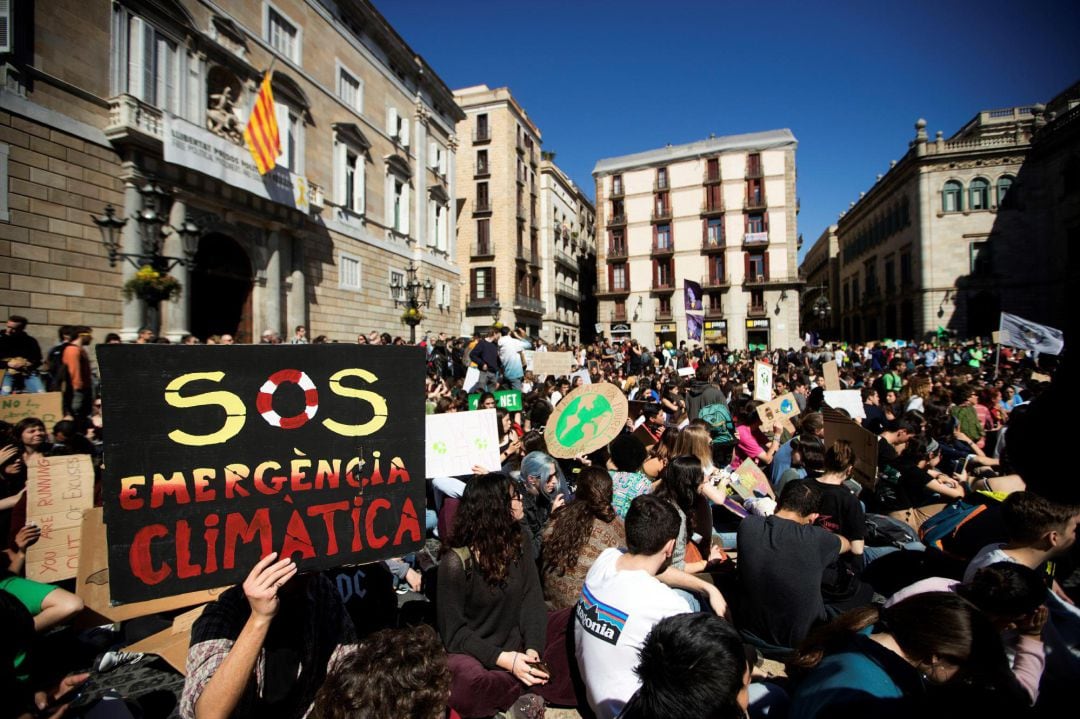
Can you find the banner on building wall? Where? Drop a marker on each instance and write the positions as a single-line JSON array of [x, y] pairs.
[[693, 327], [191, 146], [692, 295], [220, 455]]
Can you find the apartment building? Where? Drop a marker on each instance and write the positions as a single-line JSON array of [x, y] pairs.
[[820, 298], [962, 228], [498, 226], [720, 212], [141, 105], [567, 247]]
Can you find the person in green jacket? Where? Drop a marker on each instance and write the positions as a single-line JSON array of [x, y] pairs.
[[964, 399]]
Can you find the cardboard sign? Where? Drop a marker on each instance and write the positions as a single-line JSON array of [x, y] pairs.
[[1040, 377], [456, 441], [849, 400], [995, 337], [586, 419], [832, 376], [46, 406], [864, 444], [92, 581], [219, 455], [583, 374], [763, 376], [635, 407], [782, 410], [557, 364], [748, 481], [58, 490], [508, 399]]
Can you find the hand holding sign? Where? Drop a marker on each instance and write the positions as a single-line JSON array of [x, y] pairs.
[[262, 584]]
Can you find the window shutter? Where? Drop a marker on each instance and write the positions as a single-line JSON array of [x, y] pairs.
[[765, 219], [704, 232], [433, 155], [443, 159], [472, 284], [611, 277], [391, 121], [766, 265], [746, 222], [404, 131], [340, 170], [746, 265], [360, 184], [281, 111], [136, 54], [405, 212], [5, 26]]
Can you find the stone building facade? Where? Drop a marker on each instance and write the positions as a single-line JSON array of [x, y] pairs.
[[141, 105], [820, 270], [567, 247], [963, 228], [498, 224], [720, 212]]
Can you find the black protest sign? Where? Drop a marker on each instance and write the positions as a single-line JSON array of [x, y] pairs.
[[216, 456]]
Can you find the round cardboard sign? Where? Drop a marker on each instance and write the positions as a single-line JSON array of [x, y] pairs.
[[585, 420]]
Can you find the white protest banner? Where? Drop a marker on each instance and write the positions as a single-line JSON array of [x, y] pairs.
[[763, 376], [1031, 336], [458, 441], [849, 400], [557, 364], [685, 371], [58, 490]]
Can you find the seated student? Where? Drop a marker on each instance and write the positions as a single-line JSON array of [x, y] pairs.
[[781, 565], [924, 491], [392, 673], [1013, 597], [1039, 532], [627, 479], [691, 666], [264, 647], [49, 605], [623, 599]]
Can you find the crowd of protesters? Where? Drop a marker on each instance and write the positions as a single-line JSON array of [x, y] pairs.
[[637, 580]]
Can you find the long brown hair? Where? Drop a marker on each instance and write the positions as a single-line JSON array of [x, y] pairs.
[[485, 524], [572, 523]]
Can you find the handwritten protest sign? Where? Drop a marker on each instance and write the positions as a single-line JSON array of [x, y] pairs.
[[553, 363], [832, 375], [457, 441], [508, 399], [46, 406], [749, 479], [586, 419], [220, 455], [763, 376], [782, 410], [58, 490]]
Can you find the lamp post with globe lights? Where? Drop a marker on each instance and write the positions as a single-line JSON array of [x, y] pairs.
[[413, 295]]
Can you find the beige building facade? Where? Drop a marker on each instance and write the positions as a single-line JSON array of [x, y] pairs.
[[720, 212], [820, 270], [955, 232], [567, 247], [141, 105], [498, 224]]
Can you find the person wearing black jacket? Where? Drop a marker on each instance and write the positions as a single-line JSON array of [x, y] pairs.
[[486, 356], [702, 392]]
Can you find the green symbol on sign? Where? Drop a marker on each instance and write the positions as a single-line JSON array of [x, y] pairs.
[[481, 443], [439, 448], [585, 417]]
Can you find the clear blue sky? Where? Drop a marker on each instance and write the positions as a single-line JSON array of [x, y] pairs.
[[603, 78]]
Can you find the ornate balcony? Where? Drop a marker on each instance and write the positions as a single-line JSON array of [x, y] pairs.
[[663, 249], [617, 252], [132, 121], [712, 208], [565, 290], [755, 202], [714, 312], [753, 310], [712, 282], [617, 220], [661, 214], [529, 305], [712, 246], [482, 250], [565, 258], [617, 190], [755, 239]]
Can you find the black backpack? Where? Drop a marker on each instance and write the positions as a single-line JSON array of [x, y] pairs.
[[54, 365]]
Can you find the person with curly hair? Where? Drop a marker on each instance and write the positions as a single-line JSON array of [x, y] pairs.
[[490, 607], [575, 537], [392, 673]]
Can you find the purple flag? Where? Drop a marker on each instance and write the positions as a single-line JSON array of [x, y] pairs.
[[692, 294], [693, 327]]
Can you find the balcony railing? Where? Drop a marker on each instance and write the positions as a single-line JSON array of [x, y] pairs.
[[713, 207], [755, 202], [132, 120], [528, 304], [617, 252], [520, 145], [663, 249], [566, 258], [480, 303], [534, 255], [753, 310], [617, 189], [664, 285], [614, 290], [712, 244], [482, 171], [714, 312], [524, 253], [663, 315], [753, 169], [661, 185], [565, 290], [756, 279], [661, 214], [711, 178], [615, 220], [715, 281], [482, 205], [481, 134], [756, 238], [617, 316], [483, 249]]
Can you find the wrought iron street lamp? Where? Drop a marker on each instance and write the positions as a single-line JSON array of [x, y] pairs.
[[413, 295], [496, 312]]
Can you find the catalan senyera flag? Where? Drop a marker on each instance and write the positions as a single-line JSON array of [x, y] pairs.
[[261, 133]]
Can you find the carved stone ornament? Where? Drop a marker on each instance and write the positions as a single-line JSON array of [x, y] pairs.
[[973, 164], [221, 118]]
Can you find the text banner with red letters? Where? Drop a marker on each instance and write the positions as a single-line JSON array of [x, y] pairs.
[[218, 455]]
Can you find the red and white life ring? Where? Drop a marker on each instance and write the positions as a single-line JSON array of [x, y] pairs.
[[264, 400]]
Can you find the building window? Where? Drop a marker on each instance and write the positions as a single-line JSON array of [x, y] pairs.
[[348, 272], [483, 283], [714, 232], [662, 204], [756, 267], [350, 89], [282, 34], [753, 165], [620, 310], [619, 277], [397, 126], [952, 197], [716, 270], [437, 158], [661, 178], [482, 162], [757, 300], [890, 276], [712, 169], [663, 237], [401, 207], [979, 194], [483, 202], [616, 185], [397, 279], [618, 243], [149, 64], [483, 130], [855, 288], [905, 269], [663, 306], [847, 296], [349, 176], [981, 258], [290, 131], [755, 222], [1004, 185], [663, 271], [483, 236]]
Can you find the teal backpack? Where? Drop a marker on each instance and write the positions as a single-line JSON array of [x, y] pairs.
[[721, 426]]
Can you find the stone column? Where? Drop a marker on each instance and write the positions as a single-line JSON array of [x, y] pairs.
[[133, 316], [296, 289], [420, 227], [272, 289], [177, 314]]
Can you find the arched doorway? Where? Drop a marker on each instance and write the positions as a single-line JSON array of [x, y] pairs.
[[221, 289]]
